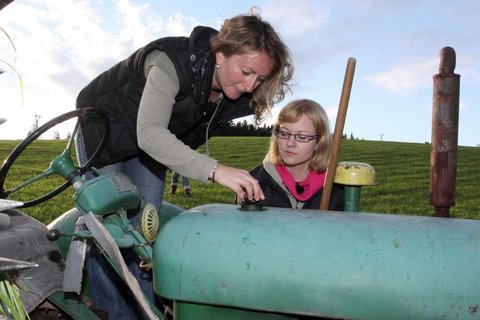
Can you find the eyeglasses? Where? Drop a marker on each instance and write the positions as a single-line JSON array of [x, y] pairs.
[[299, 137]]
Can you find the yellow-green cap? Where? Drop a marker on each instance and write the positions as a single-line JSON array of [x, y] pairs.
[[355, 174]]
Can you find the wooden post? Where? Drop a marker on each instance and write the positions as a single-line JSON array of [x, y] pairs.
[[337, 134]]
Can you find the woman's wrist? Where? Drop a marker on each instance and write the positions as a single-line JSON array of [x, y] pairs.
[[211, 175]]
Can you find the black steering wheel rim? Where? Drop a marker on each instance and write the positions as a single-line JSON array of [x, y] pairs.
[[10, 160]]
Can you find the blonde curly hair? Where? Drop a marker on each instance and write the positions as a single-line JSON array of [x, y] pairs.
[[246, 33]]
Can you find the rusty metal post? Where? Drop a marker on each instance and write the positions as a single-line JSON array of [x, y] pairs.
[[443, 158]]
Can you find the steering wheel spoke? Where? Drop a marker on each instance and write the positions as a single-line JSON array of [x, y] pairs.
[[26, 183], [61, 167]]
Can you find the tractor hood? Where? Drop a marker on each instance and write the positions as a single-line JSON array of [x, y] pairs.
[[332, 264]]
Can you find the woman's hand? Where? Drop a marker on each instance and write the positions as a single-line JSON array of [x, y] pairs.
[[240, 181]]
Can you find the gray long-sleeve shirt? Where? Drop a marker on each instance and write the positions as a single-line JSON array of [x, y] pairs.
[[154, 114]]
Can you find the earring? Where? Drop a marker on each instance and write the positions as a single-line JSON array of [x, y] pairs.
[[217, 65]]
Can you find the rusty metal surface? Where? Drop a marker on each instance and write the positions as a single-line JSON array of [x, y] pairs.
[[446, 93]]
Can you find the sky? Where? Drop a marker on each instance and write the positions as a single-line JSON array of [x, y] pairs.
[[59, 46]]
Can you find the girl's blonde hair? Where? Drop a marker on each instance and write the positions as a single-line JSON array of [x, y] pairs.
[[249, 33], [292, 113]]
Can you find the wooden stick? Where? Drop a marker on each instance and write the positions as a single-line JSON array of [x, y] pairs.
[[337, 134]]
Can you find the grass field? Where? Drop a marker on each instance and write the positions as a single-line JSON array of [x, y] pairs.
[[402, 173]]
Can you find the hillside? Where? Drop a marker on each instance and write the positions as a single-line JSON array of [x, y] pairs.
[[402, 174]]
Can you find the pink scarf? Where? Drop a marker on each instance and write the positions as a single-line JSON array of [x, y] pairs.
[[310, 185]]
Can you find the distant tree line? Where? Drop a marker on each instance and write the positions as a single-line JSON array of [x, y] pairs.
[[243, 128], [352, 137], [230, 129]]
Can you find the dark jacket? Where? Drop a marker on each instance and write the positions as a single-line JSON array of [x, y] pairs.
[[117, 93], [276, 195]]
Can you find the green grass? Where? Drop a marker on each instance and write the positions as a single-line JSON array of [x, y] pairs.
[[402, 174]]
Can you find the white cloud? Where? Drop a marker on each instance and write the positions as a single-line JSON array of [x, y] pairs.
[[294, 17], [140, 23], [62, 45], [179, 24], [332, 113], [406, 77]]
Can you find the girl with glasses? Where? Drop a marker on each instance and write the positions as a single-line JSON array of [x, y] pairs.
[[293, 172]]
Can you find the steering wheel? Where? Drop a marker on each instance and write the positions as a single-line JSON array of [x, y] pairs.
[[62, 165]]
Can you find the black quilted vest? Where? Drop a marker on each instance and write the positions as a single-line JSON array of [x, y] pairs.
[[117, 93]]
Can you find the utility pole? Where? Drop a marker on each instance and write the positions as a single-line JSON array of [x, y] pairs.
[[35, 121]]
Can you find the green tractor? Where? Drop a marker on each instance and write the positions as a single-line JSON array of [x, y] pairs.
[[221, 261]]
